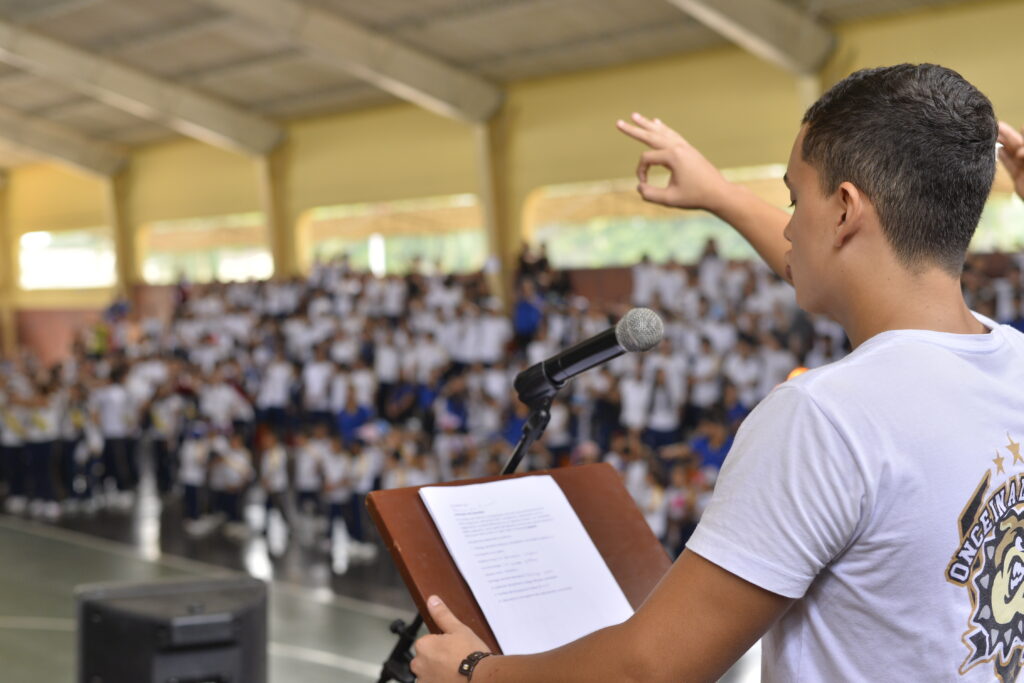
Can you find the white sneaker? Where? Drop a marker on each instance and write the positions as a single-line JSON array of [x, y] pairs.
[[51, 511], [277, 533], [36, 507], [339, 560], [371, 551], [341, 548], [236, 530], [16, 504], [363, 550]]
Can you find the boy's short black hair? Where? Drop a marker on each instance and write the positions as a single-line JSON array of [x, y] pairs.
[[919, 141]]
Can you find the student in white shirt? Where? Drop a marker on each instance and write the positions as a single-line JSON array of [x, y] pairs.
[[308, 456], [166, 418], [274, 474], [744, 368], [118, 420], [776, 362], [367, 468], [646, 275], [635, 397], [222, 404], [664, 416], [12, 447], [193, 472], [88, 463], [316, 387], [671, 285], [363, 384], [71, 417], [41, 436], [337, 468], [386, 367], [495, 334], [275, 391], [344, 348], [705, 381], [230, 473]]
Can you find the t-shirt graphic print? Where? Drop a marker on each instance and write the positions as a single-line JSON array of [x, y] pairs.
[[990, 564]]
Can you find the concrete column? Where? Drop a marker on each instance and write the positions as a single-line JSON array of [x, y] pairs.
[[281, 234], [809, 89], [125, 243], [8, 268], [502, 233]]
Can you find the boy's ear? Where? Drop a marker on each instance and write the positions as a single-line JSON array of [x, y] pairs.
[[852, 206]]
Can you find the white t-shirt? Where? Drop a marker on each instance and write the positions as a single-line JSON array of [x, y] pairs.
[[495, 331], [365, 469], [232, 470], [316, 384], [706, 385], [339, 391], [116, 413], [344, 350], [337, 468], [274, 468], [386, 363], [636, 402], [166, 415], [364, 384], [195, 454], [275, 387], [645, 283], [43, 422], [221, 404], [746, 373], [308, 459], [865, 488]]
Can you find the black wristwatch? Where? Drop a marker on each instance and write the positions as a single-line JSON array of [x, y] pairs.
[[470, 662]]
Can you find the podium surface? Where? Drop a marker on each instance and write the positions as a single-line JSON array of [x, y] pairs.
[[633, 554]]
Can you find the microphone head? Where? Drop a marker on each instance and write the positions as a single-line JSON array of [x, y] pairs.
[[639, 330]]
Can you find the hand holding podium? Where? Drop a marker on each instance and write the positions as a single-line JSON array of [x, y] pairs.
[[435, 653], [620, 534]]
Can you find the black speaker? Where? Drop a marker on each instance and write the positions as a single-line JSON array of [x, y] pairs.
[[193, 631]]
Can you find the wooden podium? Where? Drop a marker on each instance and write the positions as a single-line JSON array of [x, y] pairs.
[[618, 529]]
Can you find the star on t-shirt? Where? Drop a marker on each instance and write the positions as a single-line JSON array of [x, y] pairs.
[[1014, 448], [998, 460]]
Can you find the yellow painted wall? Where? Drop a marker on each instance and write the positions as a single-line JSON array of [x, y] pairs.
[[384, 153], [185, 179], [390, 152], [737, 109], [54, 197], [562, 129], [980, 39]]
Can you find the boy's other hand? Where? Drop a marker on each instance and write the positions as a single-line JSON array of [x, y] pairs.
[[1012, 154]]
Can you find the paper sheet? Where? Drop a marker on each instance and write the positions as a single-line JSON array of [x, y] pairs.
[[529, 561]]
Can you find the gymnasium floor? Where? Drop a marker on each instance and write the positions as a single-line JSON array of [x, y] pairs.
[[315, 635], [323, 627]]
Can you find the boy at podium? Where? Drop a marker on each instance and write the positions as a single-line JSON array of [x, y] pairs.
[[860, 524]]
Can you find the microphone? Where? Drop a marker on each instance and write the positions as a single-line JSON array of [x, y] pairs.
[[639, 330]]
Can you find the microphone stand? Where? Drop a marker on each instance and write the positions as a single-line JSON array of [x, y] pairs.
[[396, 667]]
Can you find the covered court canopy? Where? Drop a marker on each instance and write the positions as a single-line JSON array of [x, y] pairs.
[[81, 78]]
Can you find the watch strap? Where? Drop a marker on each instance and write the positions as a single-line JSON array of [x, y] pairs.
[[469, 663]]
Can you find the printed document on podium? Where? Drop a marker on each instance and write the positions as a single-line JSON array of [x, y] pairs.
[[529, 561]]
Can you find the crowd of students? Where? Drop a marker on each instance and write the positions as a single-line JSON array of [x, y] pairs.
[[308, 394]]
